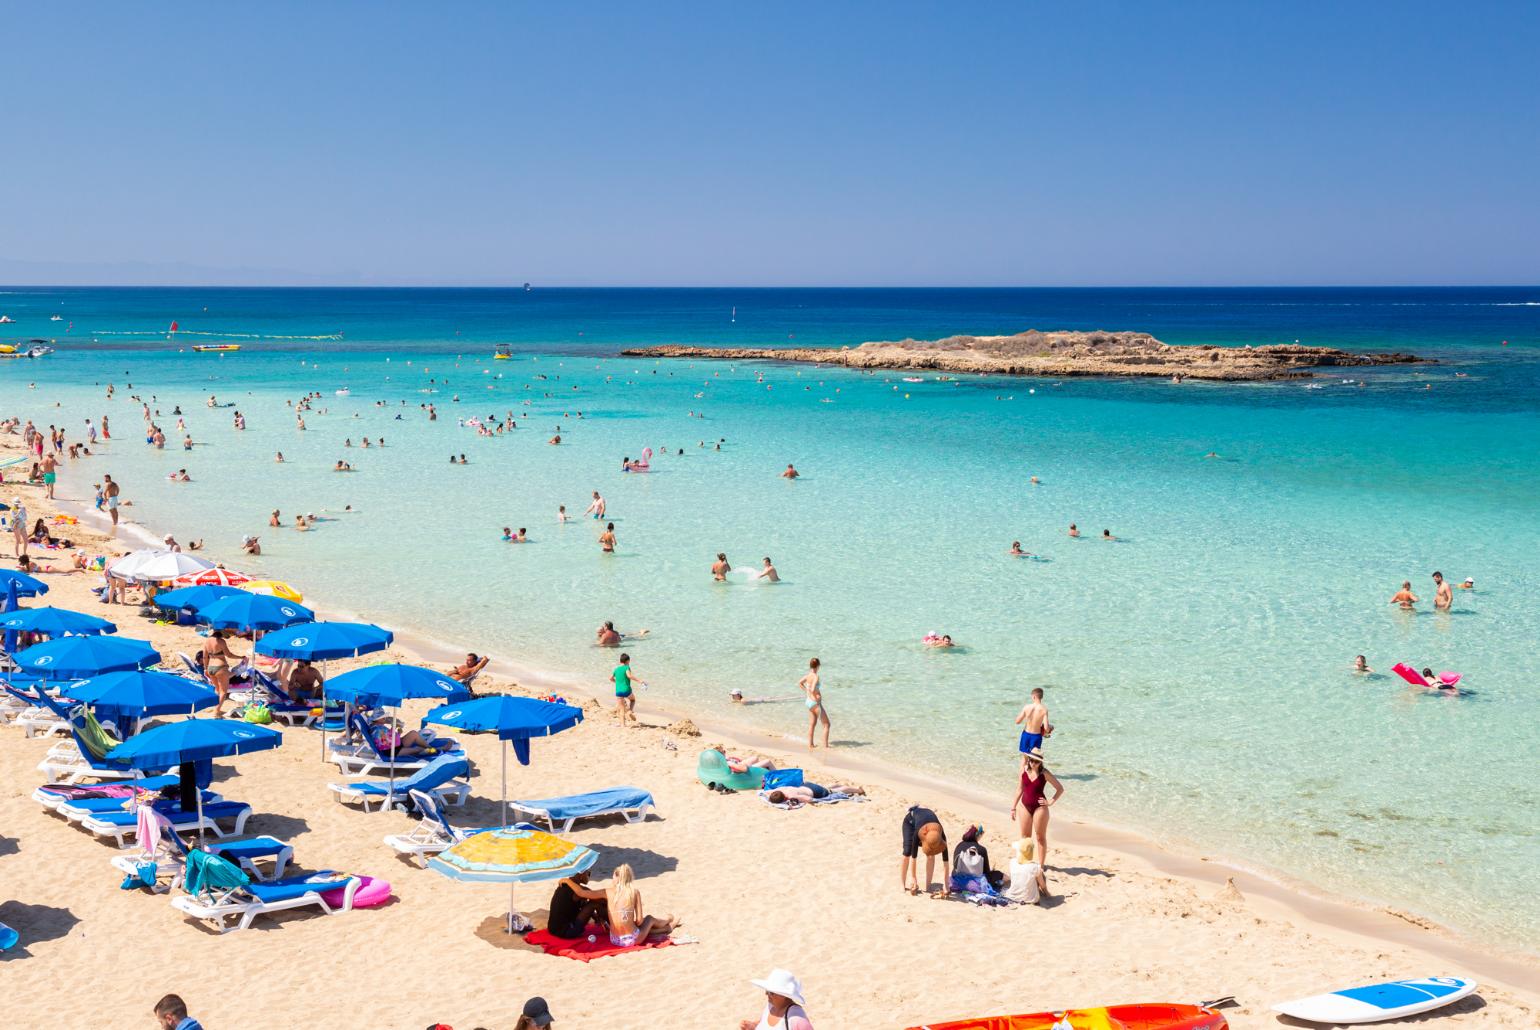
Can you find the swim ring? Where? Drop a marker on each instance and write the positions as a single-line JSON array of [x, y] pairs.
[[371, 892]]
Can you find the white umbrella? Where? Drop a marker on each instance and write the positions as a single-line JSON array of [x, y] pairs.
[[163, 566], [124, 567]]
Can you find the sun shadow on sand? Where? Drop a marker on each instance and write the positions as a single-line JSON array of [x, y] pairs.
[[494, 930], [643, 863], [1077, 870], [9, 846], [34, 923], [284, 827]]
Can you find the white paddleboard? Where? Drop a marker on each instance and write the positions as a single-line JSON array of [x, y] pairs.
[[1375, 1002]]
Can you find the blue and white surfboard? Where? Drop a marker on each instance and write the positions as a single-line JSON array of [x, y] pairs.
[[1375, 1002]]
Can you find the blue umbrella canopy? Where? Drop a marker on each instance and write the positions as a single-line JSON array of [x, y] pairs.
[[318, 641], [194, 597], [244, 611], [193, 740], [392, 684], [142, 693], [55, 622], [71, 658], [26, 586], [516, 719]]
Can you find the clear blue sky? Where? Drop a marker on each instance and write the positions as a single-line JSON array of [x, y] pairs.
[[827, 143]]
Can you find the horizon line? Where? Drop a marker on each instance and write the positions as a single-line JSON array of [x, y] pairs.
[[783, 286]]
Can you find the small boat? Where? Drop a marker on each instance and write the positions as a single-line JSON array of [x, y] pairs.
[[216, 348], [503, 352], [1116, 1017], [56, 318], [344, 392], [6, 318]]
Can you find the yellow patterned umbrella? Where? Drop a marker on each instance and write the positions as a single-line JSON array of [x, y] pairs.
[[273, 588], [513, 855]]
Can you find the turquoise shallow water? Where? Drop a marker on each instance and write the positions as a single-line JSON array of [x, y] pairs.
[[1197, 668]]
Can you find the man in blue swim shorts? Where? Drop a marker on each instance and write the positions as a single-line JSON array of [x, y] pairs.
[[1033, 721]]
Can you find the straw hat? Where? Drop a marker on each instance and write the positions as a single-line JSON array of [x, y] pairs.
[[783, 983], [1024, 850], [1035, 755]]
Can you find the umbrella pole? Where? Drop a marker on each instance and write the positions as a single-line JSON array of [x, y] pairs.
[[395, 734], [502, 813], [323, 710], [199, 796], [510, 906]]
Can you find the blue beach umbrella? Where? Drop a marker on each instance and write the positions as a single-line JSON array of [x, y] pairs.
[[393, 684], [143, 693], [514, 719], [26, 586], [189, 741], [72, 658], [320, 641], [193, 598], [251, 612], [10, 606], [55, 622]]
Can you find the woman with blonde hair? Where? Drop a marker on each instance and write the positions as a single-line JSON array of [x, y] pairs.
[[1028, 884], [629, 923]]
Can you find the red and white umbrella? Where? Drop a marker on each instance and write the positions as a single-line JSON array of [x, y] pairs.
[[215, 577]]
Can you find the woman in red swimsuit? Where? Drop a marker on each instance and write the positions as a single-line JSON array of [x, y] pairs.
[[1033, 801]]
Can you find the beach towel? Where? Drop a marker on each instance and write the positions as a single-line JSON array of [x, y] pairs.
[[788, 805], [584, 951]]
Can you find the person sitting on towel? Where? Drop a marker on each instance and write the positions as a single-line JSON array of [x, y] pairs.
[[570, 914]]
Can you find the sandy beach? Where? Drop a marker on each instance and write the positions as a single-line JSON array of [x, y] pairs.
[[815, 891]]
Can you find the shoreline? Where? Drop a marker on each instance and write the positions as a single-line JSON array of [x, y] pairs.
[[1280, 892]]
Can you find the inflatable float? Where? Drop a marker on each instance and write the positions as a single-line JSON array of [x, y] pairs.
[[1446, 680], [1117, 1017], [370, 893], [216, 348]]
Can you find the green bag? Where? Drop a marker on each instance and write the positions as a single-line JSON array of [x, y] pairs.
[[258, 713]]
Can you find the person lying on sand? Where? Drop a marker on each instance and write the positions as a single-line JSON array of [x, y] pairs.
[[810, 792]]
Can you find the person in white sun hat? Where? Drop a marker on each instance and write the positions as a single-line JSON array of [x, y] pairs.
[[783, 1005]]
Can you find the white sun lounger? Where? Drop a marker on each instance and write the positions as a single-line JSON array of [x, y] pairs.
[[432, 834]]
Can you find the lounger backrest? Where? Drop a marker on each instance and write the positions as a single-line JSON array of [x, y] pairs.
[[437, 773], [433, 812]]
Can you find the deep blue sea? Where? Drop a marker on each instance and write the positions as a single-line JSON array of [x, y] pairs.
[[1197, 668]]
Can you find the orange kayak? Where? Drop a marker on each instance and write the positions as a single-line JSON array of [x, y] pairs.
[[1117, 1017]]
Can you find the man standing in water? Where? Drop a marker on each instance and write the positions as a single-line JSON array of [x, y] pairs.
[[596, 507], [625, 696], [110, 491], [50, 475], [1443, 600], [1404, 597], [1034, 723]]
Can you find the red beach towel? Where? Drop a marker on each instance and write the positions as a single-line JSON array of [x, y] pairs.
[[581, 949]]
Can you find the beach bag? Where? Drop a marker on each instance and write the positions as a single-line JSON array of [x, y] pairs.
[[258, 713], [776, 778]]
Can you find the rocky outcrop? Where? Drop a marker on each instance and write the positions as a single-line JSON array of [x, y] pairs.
[[1054, 354]]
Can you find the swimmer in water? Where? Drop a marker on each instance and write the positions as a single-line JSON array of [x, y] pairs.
[[1107, 535], [607, 539], [1034, 480], [720, 570], [278, 457], [941, 641], [768, 572], [507, 534], [561, 513], [1017, 552], [791, 472], [1361, 665], [1469, 584], [273, 520], [1073, 530], [1404, 597]]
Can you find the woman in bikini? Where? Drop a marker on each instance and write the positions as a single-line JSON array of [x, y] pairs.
[[216, 666], [1033, 801], [629, 925], [812, 688]]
